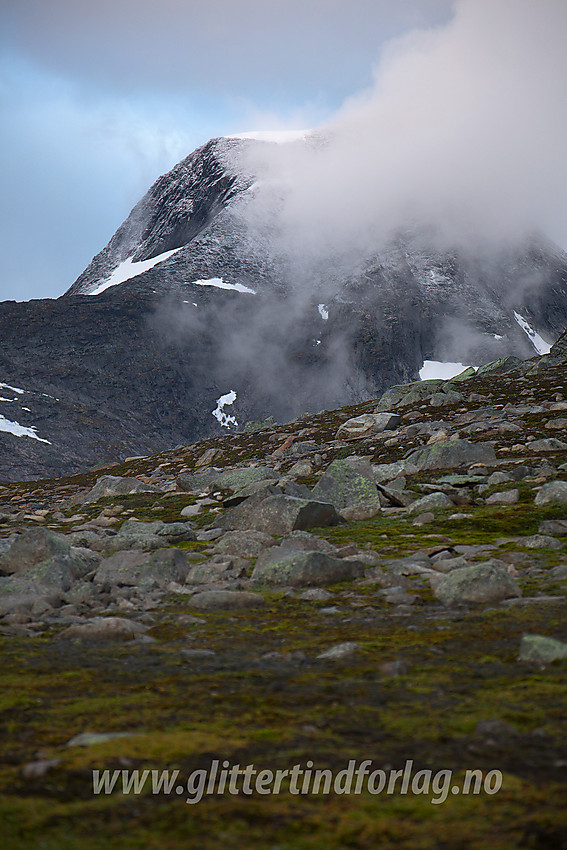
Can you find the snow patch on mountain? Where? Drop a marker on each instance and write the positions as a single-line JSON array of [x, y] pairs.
[[224, 418], [19, 430], [129, 269], [219, 283], [323, 312], [14, 389], [435, 369], [540, 345]]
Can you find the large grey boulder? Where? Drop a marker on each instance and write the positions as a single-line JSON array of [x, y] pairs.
[[431, 502], [390, 471], [368, 424], [105, 628], [477, 584], [548, 444], [278, 514], [20, 594], [244, 544], [218, 568], [303, 541], [441, 399], [40, 555], [226, 600], [33, 547], [136, 568], [149, 535], [303, 569], [450, 454], [402, 395], [554, 491], [553, 526], [345, 487], [230, 479], [115, 485]]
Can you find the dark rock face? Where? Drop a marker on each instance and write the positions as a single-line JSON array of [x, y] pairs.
[[141, 366]]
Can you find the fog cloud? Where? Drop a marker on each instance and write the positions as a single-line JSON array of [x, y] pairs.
[[464, 130]]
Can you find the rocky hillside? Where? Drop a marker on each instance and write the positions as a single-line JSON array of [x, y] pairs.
[[381, 582]]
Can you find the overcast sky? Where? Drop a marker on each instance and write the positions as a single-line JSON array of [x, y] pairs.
[[98, 99]]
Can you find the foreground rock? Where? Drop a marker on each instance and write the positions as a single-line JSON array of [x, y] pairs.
[[279, 514], [150, 535], [303, 569], [105, 628], [555, 491], [451, 453], [348, 489], [141, 569], [541, 649], [226, 600], [368, 424], [477, 584], [114, 485]]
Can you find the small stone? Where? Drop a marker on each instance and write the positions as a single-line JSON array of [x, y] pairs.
[[399, 667], [225, 600], [423, 519], [315, 594], [540, 541], [198, 654], [341, 650], [431, 502], [38, 769], [541, 649], [504, 497], [105, 628], [90, 739]]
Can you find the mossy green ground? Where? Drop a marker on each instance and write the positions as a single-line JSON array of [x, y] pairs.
[[458, 668], [461, 668]]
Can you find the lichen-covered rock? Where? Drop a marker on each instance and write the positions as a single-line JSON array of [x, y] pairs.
[[345, 487], [450, 454], [33, 547], [504, 497], [115, 485], [542, 649], [431, 502], [548, 444], [554, 491], [368, 424], [136, 568], [477, 584], [303, 569], [245, 544], [105, 628], [21, 594], [226, 600], [279, 514], [149, 535], [404, 394]]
